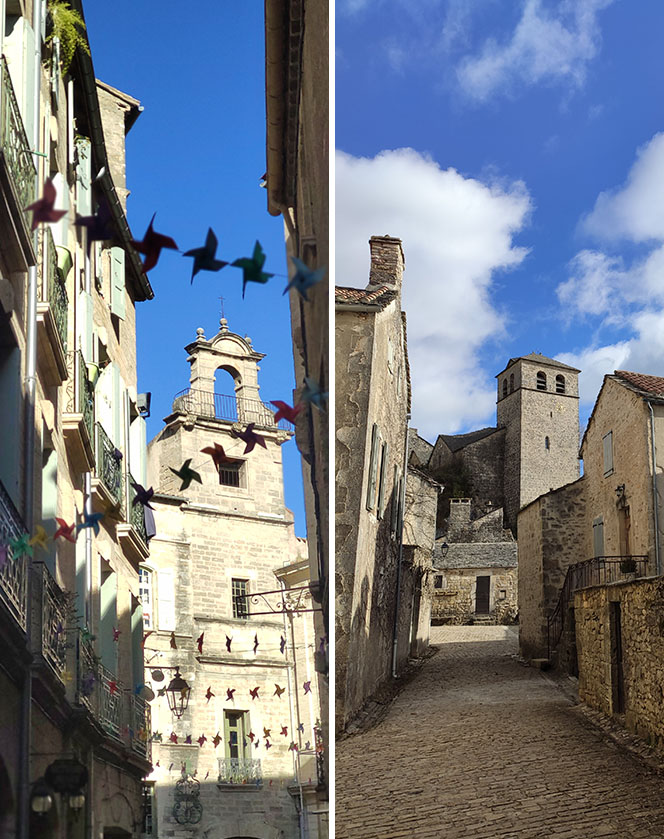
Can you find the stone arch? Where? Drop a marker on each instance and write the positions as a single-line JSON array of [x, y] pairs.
[[118, 816], [246, 827]]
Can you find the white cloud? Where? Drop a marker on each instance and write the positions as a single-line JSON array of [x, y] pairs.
[[545, 46], [457, 232], [635, 211]]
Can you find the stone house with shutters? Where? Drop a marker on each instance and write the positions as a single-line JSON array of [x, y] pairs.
[[225, 549], [576, 539], [377, 559], [73, 438]]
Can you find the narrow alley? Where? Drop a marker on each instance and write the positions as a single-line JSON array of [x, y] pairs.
[[478, 746]]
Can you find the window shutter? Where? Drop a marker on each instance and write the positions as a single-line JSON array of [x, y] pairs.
[[137, 643], [608, 453], [60, 228], [108, 597], [395, 500], [85, 329], [598, 537], [84, 177], [166, 603], [382, 479], [118, 282], [373, 467]]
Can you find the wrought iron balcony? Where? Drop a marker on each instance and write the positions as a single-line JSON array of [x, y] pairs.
[[238, 771], [111, 696], [136, 512], [13, 577], [109, 465], [79, 417], [18, 169], [52, 314], [140, 727], [228, 408], [53, 620], [88, 674]]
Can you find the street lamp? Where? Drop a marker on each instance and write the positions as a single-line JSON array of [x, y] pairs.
[[41, 799], [444, 548], [177, 694]]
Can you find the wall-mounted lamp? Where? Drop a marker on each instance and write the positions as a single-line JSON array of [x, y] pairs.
[[41, 799], [444, 549], [177, 694]]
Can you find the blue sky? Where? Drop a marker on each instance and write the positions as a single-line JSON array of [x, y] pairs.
[[195, 157], [515, 147]]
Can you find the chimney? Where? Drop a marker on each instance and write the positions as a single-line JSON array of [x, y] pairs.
[[459, 513], [387, 262]]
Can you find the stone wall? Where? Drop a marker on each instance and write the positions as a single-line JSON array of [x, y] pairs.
[[551, 534], [454, 601], [641, 607]]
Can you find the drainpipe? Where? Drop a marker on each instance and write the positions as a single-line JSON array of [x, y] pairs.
[[655, 505], [25, 741], [402, 504]]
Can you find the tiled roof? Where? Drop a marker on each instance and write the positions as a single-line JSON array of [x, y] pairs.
[[378, 296], [653, 385], [455, 442], [542, 359]]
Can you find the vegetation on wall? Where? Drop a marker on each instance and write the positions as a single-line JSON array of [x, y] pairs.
[[69, 29]]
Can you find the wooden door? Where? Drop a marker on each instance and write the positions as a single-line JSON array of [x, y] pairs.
[[482, 587]]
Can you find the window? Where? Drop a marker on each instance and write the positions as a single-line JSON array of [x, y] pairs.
[[438, 581], [382, 480], [149, 810], [511, 382], [541, 381], [230, 474], [504, 388], [607, 441], [236, 728], [547, 444], [395, 500], [598, 536], [239, 595], [560, 384], [373, 467], [145, 595]]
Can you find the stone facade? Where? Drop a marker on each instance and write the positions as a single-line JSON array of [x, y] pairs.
[[372, 406], [67, 325], [472, 549], [620, 645], [297, 175], [229, 534]]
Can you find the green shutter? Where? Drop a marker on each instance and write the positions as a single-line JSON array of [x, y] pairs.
[[84, 177], [118, 282], [137, 644], [108, 610], [85, 325]]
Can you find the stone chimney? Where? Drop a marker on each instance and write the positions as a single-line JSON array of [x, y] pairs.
[[459, 513], [387, 262]]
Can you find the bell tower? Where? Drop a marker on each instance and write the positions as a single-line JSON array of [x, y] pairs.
[[538, 405], [205, 414]]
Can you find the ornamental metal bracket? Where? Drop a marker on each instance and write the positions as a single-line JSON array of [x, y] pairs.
[[187, 808], [290, 601]]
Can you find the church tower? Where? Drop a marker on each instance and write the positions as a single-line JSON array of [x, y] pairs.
[[538, 405]]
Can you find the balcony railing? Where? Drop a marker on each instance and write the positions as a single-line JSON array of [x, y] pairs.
[[80, 393], [53, 620], [111, 694], [136, 512], [599, 570], [87, 674], [13, 577], [230, 408], [140, 726], [109, 464], [239, 770], [14, 142], [53, 291]]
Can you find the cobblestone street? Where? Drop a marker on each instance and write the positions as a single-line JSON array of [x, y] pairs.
[[478, 746]]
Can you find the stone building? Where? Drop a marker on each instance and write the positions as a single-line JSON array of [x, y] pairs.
[[372, 411], [73, 439], [297, 181], [475, 568], [580, 534], [225, 548]]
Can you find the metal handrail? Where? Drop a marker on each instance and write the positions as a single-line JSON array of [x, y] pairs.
[[136, 512], [108, 464], [219, 406], [593, 572], [54, 288], [240, 770], [80, 393], [54, 618]]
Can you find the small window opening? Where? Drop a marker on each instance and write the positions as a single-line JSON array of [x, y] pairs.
[[438, 581], [547, 444], [560, 384], [541, 381], [504, 388], [511, 382], [230, 474], [239, 594]]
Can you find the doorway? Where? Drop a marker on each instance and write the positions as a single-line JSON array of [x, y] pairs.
[[617, 676], [482, 589]]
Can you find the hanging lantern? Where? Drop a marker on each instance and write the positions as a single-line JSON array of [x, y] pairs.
[[177, 694], [41, 799]]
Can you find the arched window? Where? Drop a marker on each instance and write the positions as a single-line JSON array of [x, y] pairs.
[[145, 596], [504, 388], [541, 381], [560, 384], [511, 382], [547, 444]]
